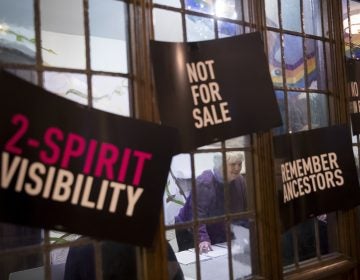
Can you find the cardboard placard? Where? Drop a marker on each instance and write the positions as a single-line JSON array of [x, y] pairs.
[[316, 173], [67, 167], [214, 90]]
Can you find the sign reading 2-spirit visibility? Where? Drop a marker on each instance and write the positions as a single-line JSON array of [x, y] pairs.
[[68, 167], [316, 173], [214, 90]]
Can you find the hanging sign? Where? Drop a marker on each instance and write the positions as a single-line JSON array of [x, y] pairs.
[[214, 90], [316, 173], [354, 82], [67, 167]]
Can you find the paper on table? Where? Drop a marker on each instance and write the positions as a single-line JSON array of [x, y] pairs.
[[188, 257], [217, 251]]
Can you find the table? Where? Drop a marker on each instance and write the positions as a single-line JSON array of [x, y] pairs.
[[214, 265]]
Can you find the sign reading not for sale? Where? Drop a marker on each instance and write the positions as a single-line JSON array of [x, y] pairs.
[[65, 166], [214, 90]]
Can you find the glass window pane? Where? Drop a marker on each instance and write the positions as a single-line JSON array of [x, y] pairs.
[[172, 3], [62, 34], [280, 97], [118, 261], [319, 110], [27, 75], [216, 145], [19, 264], [290, 11], [238, 142], [312, 17], [298, 115], [325, 19], [272, 13], [315, 63], [306, 237], [274, 55], [69, 85], [210, 186], [209, 267], [178, 190], [165, 31], [246, 8], [108, 35], [111, 94], [227, 29], [199, 28], [356, 157], [17, 34], [288, 246], [204, 6], [241, 250], [228, 9], [294, 61]]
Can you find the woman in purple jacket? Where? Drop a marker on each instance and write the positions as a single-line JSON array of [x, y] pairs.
[[211, 202]]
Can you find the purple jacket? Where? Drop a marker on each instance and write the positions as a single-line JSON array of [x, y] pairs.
[[210, 203]]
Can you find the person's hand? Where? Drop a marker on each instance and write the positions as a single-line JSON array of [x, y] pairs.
[[204, 247]]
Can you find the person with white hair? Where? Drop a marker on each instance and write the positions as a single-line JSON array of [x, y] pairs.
[[210, 196]]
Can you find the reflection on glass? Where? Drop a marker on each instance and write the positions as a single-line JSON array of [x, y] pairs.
[[294, 61], [240, 249], [312, 17], [356, 157], [62, 34], [111, 94], [199, 28], [203, 6], [290, 11], [17, 265], [274, 54], [272, 13], [319, 110], [163, 30], [172, 3], [228, 9], [227, 29], [69, 85], [298, 116], [238, 142], [315, 63], [17, 35], [108, 35]]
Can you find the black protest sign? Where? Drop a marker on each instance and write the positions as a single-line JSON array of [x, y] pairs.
[[316, 173], [214, 90], [67, 167], [353, 67]]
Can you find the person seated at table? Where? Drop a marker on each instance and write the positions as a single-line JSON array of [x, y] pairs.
[[211, 202]]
